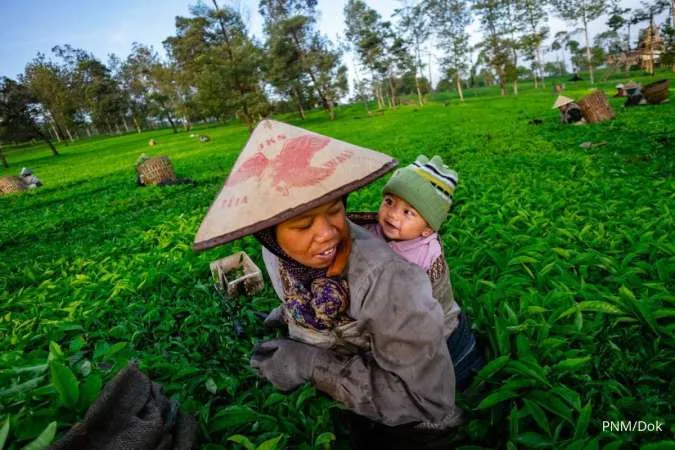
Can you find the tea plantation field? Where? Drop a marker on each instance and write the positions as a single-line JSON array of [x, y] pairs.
[[563, 257]]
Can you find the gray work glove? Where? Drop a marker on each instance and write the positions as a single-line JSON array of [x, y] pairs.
[[285, 363], [275, 319]]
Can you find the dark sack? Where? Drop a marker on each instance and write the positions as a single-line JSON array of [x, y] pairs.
[[131, 413]]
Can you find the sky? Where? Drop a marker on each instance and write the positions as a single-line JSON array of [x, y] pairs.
[[103, 27]]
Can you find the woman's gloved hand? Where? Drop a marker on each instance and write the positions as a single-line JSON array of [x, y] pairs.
[[275, 319], [284, 363]]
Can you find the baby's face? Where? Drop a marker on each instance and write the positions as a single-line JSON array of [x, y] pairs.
[[400, 221]]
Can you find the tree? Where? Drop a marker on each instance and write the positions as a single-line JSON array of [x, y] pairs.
[[18, 116], [576, 55], [295, 22], [102, 100], [371, 39], [531, 17], [215, 68], [584, 11], [495, 49], [553, 69], [174, 93], [509, 9], [560, 43], [609, 41], [52, 87], [450, 19], [134, 77], [415, 28], [618, 18], [284, 70]]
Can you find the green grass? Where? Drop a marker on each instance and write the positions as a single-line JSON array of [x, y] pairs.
[[562, 257]]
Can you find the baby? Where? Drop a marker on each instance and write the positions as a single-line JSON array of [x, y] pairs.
[[417, 200]]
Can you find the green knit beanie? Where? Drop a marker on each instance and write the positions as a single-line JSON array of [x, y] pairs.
[[428, 186]]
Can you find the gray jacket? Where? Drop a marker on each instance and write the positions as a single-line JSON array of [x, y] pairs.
[[398, 368]]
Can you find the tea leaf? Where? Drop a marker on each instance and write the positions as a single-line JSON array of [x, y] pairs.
[[4, 431], [534, 440], [496, 397], [324, 440], [538, 415], [65, 383], [242, 440], [44, 439], [583, 421], [231, 417], [493, 366], [270, 444]]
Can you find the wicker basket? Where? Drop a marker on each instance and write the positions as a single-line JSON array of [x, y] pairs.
[[250, 283], [156, 170], [10, 184], [595, 107], [656, 92]]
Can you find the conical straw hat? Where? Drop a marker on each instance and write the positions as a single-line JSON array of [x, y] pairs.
[[284, 171], [561, 100]]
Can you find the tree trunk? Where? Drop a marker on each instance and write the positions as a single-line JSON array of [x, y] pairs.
[[173, 125], [628, 38], [430, 82], [3, 158], [365, 104], [138, 128], [459, 88], [70, 136], [56, 133], [651, 44], [187, 124], [542, 76], [247, 117], [392, 92], [419, 91], [298, 103], [380, 97], [88, 132], [328, 104], [418, 70], [48, 141], [515, 87], [588, 51]]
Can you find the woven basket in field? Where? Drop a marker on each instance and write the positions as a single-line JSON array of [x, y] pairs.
[[656, 92], [10, 184], [156, 170], [595, 107]]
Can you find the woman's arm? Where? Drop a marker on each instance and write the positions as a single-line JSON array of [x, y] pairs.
[[407, 376]]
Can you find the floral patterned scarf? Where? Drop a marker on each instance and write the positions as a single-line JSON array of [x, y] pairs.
[[313, 298]]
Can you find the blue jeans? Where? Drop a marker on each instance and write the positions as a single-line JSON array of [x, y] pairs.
[[466, 357]]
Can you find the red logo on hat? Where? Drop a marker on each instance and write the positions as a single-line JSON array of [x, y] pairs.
[[291, 167]]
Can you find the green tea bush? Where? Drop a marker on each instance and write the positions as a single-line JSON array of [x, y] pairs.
[[562, 257]]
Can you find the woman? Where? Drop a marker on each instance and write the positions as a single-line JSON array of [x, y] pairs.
[[366, 329], [570, 112]]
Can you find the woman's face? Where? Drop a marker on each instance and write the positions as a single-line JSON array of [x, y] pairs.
[[312, 238]]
